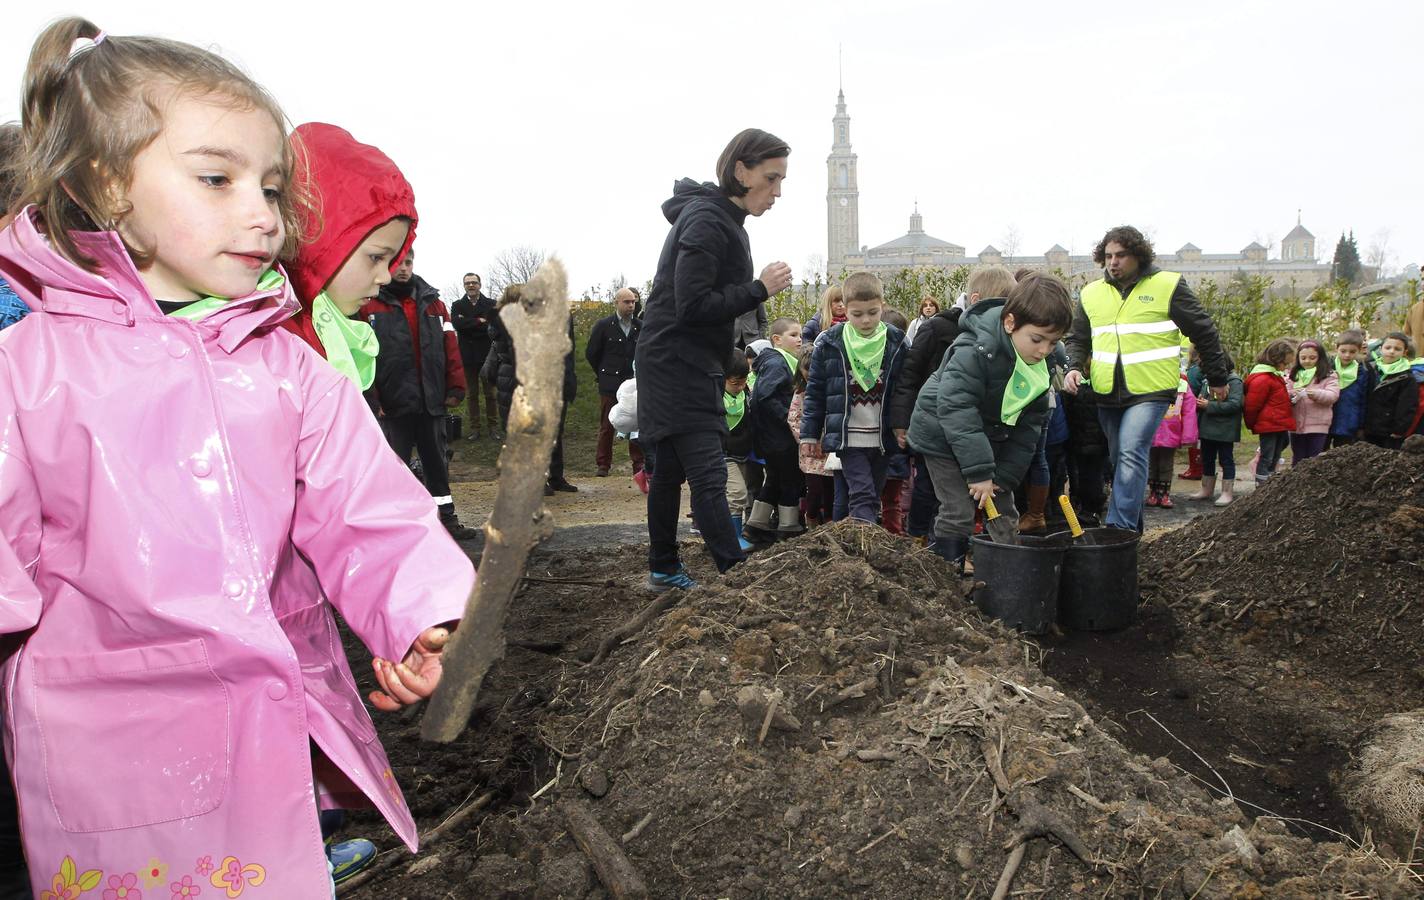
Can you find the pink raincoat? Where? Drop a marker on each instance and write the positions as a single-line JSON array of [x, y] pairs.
[[178, 502], [1179, 424]]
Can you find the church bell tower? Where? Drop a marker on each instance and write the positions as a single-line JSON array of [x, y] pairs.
[[842, 195]]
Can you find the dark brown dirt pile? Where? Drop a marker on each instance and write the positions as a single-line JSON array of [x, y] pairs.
[[1323, 563], [830, 719]]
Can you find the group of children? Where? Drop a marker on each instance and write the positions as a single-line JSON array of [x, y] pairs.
[[810, 438]]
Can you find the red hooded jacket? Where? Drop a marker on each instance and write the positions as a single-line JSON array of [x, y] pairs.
[[1268, 405], [355, 189]]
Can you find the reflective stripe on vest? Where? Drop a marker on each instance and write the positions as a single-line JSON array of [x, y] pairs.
[[1137, 331]]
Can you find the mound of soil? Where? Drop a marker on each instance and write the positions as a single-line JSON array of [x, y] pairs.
[[830, 719], [1324, 563]]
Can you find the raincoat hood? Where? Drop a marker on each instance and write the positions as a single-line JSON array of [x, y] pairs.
[[356, 189], [47, 281], [686, 192], [985, 320]]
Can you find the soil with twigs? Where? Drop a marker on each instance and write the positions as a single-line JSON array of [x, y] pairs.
[[829, 719]]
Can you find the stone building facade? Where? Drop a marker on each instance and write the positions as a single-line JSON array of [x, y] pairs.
[[1296, 268]]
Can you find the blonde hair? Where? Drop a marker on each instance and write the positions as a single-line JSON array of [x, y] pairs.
[[829, 297], [990, 281], [87, 114], [863, 286]]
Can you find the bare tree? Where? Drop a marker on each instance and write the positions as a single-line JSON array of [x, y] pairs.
[[1378, 255], [815, 268], [1011, 240], [453, 291], [513, 266], [616, 283]]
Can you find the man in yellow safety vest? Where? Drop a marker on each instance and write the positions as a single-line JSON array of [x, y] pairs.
[[1126, 346]]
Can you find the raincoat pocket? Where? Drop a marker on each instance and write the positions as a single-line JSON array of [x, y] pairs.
[[133, 737]]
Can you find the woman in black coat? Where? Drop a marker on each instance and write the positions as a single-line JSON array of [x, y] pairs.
[[703, 283]]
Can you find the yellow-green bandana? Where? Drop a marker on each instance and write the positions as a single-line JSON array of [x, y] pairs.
[[1348, 373], [1394, 368], [790, 358], [866, 354], [350, 345], [200, 309], [1026, 385], [1304, 377], [736, 406], [1263, 367]]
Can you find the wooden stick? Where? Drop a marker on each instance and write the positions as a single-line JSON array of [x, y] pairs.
[[1011, 868], [538, 325], [433, 836], [615, 870], [637, 829], [634, 625]]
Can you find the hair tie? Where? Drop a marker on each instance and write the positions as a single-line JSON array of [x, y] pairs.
[[84, 44]]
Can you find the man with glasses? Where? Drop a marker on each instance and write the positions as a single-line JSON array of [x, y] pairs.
[[471, 315]]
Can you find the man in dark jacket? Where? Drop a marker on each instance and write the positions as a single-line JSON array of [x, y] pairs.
[[418, 377], [471, 315], [1126, 341], [611, 345]]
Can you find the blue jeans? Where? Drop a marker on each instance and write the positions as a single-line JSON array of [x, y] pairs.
[[1129, 430], [695, 457], [863, 471]]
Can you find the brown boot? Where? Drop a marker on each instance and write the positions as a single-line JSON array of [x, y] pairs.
[[1032, 520]]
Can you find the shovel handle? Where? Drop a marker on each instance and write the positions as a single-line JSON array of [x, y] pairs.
[[990, 509], [1070, 515]]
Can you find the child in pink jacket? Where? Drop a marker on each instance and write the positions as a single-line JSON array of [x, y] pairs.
[[1314, 387], [1177, 429], [186, 492]]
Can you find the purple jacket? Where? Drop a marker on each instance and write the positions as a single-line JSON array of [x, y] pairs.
[[178, 503]]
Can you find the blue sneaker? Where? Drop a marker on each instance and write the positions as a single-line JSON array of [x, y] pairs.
[[661, 582], [349, 857]]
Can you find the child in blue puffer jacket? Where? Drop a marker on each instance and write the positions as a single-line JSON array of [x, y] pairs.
[[1357, 380]]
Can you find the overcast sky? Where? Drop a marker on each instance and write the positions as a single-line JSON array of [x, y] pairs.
[[563, 125]]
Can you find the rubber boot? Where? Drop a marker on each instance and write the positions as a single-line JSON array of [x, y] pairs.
[[1165, 501], [788, 522], [737, 527], [1194, 469], [1208, 487], [951, 550], [1032, 522], [1154, 493], [1228, 486], [758, 525]]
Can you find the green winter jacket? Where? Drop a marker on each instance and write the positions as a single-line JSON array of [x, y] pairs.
[[1220, 420], [957, 412]]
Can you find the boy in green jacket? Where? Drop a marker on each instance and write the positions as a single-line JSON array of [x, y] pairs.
[[978, 418]]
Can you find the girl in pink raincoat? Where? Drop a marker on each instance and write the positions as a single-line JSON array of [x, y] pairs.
[[1177, 429], [186, 490]]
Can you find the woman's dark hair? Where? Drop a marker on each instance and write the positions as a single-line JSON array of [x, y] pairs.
[[1323, 365], [1131, 240], [1276, 352], [1041, 300], [736, 366], [751, 148], [928, 300]]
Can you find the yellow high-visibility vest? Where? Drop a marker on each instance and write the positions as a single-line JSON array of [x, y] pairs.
[[1138, 330]]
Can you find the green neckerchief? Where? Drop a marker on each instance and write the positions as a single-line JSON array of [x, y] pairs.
[[350, 344], [1304, 377], [751, 381], [790, 358], [1265, 367], [736, 406], [866, 354], [1028, 382], [1394, 368], [1348, 373], [200, 309]]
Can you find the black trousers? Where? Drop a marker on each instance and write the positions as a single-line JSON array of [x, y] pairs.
[[425, 435], [556, 459], [697, 459], [783, 485]]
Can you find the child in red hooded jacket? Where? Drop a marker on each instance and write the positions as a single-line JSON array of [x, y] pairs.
[[1268, 410]]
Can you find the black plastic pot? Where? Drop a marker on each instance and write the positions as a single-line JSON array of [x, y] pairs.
[[1098, 590], [1018, 583]]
